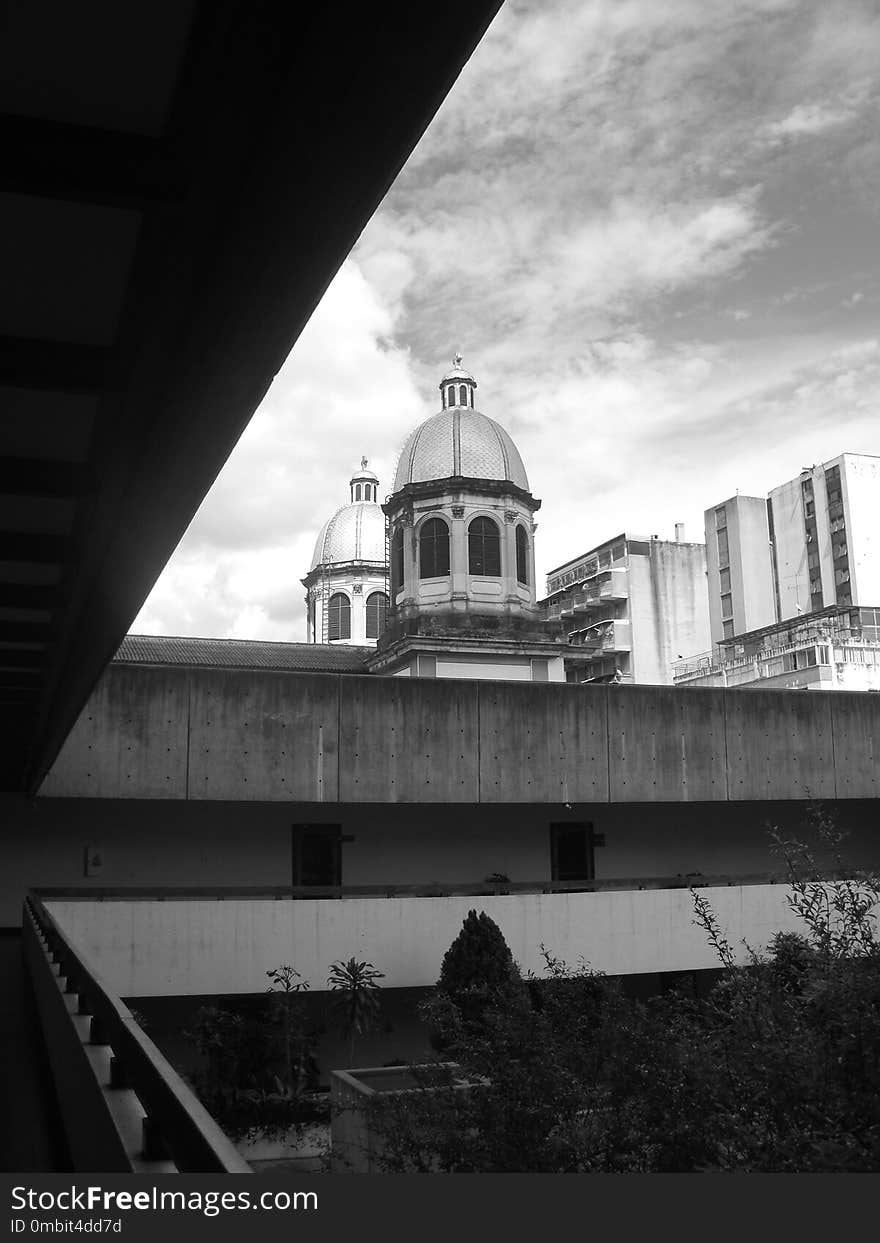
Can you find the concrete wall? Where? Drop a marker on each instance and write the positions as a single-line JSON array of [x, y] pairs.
[[791, 549], [148, 948], [668, 608], [323, 738]]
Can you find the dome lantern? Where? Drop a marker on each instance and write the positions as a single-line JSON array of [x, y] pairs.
[[364, 484], [457, 387]]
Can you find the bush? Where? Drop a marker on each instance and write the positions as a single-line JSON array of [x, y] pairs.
[[777, 1069]]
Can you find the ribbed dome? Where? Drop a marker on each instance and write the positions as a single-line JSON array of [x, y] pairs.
[[354, 533], [461, 442]]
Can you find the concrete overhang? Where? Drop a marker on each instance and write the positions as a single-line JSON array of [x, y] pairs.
[[180, 182]]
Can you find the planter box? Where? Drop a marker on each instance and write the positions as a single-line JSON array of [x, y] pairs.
[[354, 1148]]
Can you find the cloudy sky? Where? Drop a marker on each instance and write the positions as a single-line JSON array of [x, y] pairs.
[[651, 229]]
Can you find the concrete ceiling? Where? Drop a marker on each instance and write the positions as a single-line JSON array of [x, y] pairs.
[[180, 182]]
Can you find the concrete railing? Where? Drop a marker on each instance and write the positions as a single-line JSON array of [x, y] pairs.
[[186, 946], [123, 1106]]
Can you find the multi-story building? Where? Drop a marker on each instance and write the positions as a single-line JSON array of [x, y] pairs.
[[826, 536], [812, 544], [738, 554], [837, 648], [631, 606]]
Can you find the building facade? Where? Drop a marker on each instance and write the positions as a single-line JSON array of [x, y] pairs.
[[738, 567], [837, 648], [811, 545], [461, 538], [826, 536], [630, 607], [346, 586]]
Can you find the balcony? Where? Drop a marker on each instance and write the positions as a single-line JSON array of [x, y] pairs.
[[604, 636]]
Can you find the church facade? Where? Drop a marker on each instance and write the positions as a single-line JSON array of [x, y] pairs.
[[458, 530], [346, 586]]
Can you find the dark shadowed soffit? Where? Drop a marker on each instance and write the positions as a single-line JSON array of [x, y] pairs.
[[179, 184]]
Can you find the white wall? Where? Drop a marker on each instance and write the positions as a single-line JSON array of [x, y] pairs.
[[860, 476], [146, 949]]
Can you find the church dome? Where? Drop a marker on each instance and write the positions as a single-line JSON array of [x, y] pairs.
[[356, 532], [459, 441]]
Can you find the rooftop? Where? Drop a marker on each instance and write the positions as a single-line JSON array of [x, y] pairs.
[[139, 649]]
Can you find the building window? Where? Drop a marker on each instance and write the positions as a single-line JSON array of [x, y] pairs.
[[316, 855], [809, 508], [522, 556], [723, 550], [377, 605], [484, 548], [339, 619], [462, 396], [434, 549], [727, 629], [727, 606], [720, 518], [357, 491], [571, 852], [725, 581], [396, 562]]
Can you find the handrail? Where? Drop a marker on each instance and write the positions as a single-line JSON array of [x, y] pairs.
[[176, 1118], [440, 889]]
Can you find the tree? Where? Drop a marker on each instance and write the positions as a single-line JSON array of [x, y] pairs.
[[477, 973], [356, 1004], [258, 1064], [777, 1069]]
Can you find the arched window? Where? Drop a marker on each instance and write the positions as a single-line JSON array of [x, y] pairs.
[[484, 548], [396, 561], [357, 491], [462, 395], [339, 617], [434, 549], [522, 556], [377, 603]]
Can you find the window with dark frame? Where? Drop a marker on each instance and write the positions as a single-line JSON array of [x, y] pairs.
[[484, 548], [377, 605], [434, 549], [339, 617], [396, 561], [316, 856], [522, 556], [572, 855]]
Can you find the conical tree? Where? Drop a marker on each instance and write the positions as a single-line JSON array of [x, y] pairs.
[[478, 970]]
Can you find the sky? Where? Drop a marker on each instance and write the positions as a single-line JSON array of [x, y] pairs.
[[652, 230]]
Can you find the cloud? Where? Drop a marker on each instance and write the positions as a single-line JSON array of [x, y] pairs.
[[806, 120], [618, 217]]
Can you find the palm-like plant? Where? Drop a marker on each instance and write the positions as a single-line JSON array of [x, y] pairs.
[[356, 1004]]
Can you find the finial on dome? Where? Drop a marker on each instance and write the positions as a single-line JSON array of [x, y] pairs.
[[457, 386], [364, 483]]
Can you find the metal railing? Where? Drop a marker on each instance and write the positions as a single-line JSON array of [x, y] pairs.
[[176, 1128]]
